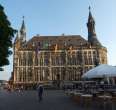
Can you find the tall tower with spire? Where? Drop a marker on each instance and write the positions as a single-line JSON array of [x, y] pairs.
[[92, 38], [33, 64], [23, 32], [20, 39]]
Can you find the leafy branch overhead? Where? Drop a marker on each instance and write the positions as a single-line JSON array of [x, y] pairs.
[[6, 35]]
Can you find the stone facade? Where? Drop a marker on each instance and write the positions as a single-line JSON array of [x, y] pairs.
[[51, 58]]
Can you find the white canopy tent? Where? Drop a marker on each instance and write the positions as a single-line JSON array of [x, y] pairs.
[[101, 71]]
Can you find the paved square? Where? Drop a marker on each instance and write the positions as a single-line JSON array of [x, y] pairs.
[[27, 100]]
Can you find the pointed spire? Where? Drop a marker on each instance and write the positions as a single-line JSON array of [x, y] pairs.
[[23, 31], [91, 23], [91, 30], [90, 15], [89, 8], [23, 26]]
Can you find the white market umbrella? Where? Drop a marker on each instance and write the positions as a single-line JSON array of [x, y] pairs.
[[101, 71]]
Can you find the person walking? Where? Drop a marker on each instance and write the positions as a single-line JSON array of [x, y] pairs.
[[40, 92]]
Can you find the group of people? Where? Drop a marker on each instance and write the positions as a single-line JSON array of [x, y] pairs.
[[39, 89]]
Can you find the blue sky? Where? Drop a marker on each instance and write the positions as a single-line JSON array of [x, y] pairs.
[[54, 17]]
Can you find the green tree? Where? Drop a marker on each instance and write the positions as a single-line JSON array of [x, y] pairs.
[[6, 35]]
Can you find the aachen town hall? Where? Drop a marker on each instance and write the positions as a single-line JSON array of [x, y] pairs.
[[50, 58]]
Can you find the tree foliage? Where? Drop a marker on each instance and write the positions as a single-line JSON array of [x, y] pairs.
[[6, 35]]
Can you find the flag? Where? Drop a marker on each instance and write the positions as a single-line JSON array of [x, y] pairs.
[[70, 50], [56, 48], [37, 48]]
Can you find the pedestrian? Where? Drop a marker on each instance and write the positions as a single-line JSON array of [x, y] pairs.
[[40, 92]]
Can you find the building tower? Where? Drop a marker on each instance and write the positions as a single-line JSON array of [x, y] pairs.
[[92, 38], [23, 32]]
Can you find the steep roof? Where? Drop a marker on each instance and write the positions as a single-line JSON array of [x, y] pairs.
[[63, 40], [69, 39]]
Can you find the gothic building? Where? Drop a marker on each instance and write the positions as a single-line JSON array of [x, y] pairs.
[[50, 58]]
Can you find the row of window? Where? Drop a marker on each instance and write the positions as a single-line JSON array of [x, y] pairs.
[[55, 61], [44, 74]]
